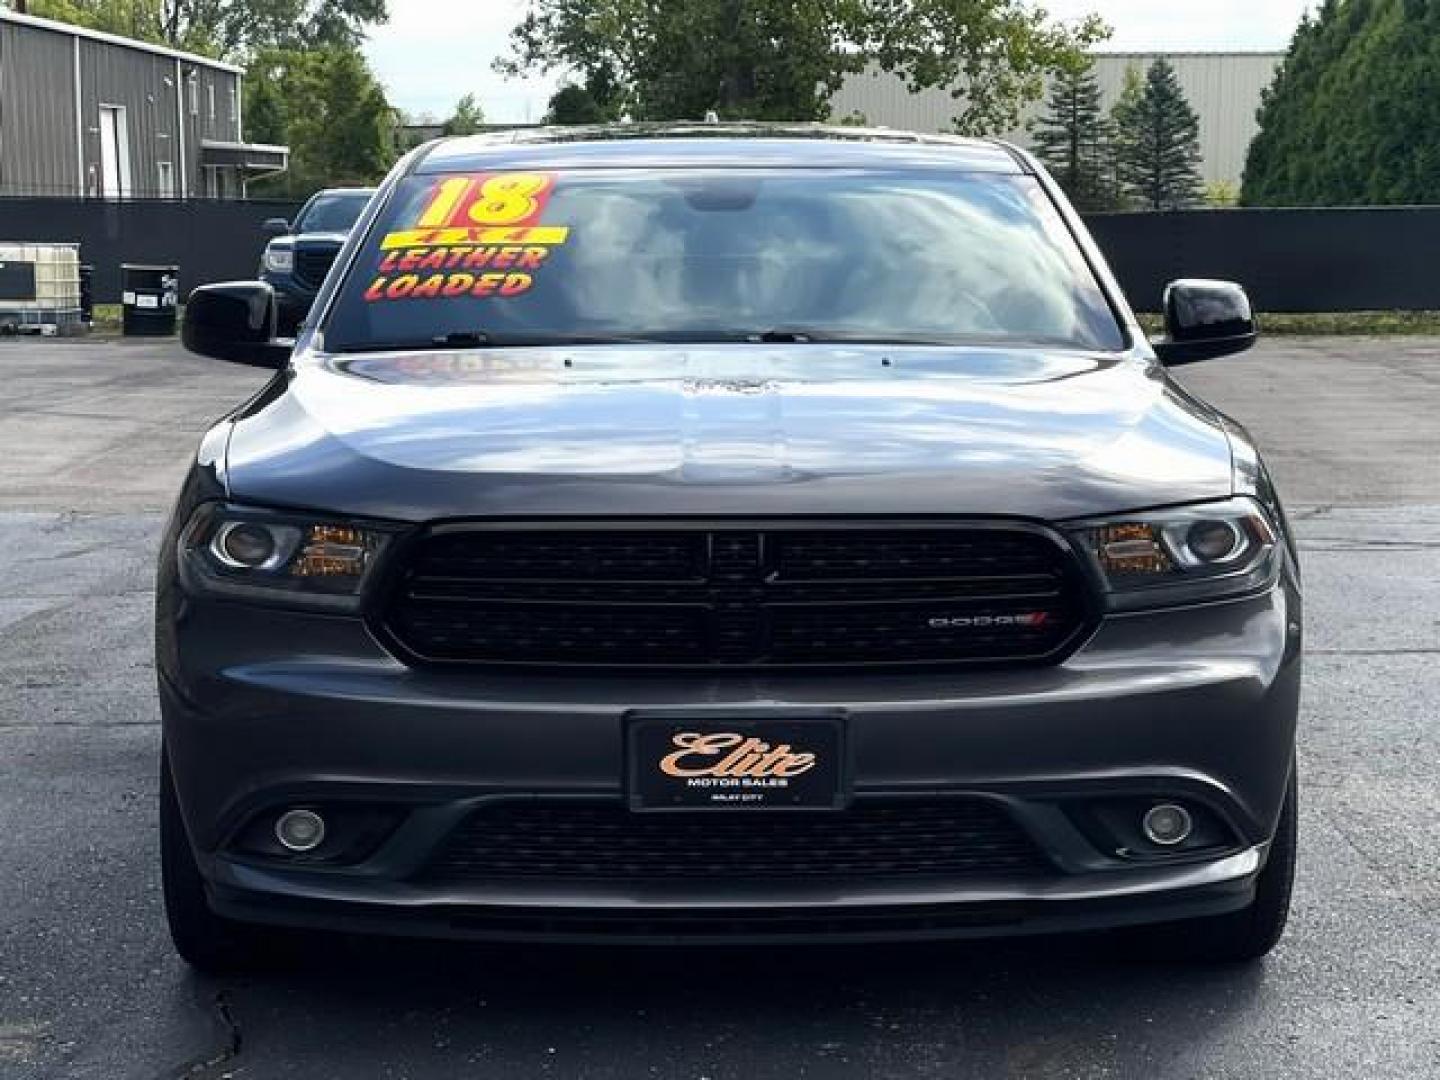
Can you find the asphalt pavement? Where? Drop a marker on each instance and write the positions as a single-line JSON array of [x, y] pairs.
[[93, 440]]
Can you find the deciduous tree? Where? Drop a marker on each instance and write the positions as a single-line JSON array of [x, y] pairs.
[[233, 29], [784, 59], [327, 106], [467, 118], [574, 104], [992, 55]]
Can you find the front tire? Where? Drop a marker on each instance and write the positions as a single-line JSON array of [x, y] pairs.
[[206, 941], [1249, 934]]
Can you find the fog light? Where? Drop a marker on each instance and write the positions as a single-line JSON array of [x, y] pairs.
[[300, 830], [1167, 824]]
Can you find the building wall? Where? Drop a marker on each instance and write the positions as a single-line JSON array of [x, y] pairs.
[[1223, 88], [221, 126], [144, 85], [164, 120], [38, 153]]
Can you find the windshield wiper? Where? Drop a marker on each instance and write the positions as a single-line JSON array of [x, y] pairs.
[[782, 337], [779, 335], [484, 339], [803, 335], [462, 339]]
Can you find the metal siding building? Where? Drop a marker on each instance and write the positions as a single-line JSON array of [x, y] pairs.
[[1223, 88], [83, 113]]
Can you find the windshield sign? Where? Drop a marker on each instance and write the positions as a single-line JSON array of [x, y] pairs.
[[476, 236], [724, 255]]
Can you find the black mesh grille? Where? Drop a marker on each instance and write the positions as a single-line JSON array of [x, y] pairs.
[[737, 597], [561, 840], [312, 263]]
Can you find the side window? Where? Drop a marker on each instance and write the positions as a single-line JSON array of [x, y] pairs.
[[193, 82], [164, 180], [210, 96]]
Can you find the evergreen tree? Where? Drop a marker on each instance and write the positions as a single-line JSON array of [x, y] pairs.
[[1157, 145], [1072, 137], [1353, 116]]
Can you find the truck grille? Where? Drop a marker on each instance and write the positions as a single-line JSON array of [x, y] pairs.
[[744, 598], [603, 841], [312, 263]]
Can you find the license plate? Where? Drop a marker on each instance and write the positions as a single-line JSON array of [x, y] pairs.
[[737, 763]]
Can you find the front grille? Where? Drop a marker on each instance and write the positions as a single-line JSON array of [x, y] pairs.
[[312, 263], [738, 598], [566, 840]]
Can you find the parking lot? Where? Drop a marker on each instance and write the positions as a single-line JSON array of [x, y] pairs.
[[93, 440]]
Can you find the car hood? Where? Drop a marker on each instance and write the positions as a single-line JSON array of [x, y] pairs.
[[726, 430]]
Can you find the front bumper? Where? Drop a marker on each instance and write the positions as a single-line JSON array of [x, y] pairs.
[[263, 708]]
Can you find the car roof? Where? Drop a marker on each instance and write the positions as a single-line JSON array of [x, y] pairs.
[[722, 145]]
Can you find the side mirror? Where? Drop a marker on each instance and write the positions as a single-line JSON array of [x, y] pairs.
[[234, 321], [276, 226], [1204, 319]]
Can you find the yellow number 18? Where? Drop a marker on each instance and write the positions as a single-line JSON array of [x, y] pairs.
[[507, 198]]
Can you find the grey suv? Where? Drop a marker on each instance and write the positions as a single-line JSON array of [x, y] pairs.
[[726, 533]]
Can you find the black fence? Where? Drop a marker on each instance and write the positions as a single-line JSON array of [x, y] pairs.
[[1290, 260], [208, 240], [1340, 259]]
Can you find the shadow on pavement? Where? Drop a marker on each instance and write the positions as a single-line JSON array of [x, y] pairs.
[[1028, 1007]]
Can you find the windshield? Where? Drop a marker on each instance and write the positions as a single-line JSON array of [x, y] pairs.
[[720, 254], [332, 213]]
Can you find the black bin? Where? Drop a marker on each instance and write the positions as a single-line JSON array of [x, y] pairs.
[[149, 295], [87, 293]]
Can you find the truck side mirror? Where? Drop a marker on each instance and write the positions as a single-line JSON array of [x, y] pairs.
[[234, 321], [1204, 319]]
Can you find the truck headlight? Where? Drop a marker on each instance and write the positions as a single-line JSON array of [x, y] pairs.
[[279, 260], [244, 553], [1189, 554]]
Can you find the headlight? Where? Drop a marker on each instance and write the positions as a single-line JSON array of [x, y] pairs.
[[1191, 554], [287, 558], [280, 260]]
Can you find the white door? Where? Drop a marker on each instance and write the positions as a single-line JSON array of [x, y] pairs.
[[114, 153]]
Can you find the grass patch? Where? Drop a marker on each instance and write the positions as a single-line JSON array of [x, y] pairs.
[[106, 317], [1352, 323]]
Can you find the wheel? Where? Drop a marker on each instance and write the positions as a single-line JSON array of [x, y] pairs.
[[206, 941], [1246, 935]]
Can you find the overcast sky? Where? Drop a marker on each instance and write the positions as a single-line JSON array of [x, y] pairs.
[[434, 51]]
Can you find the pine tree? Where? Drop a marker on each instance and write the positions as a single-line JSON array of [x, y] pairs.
[[1072, 137], [1157, 145]]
